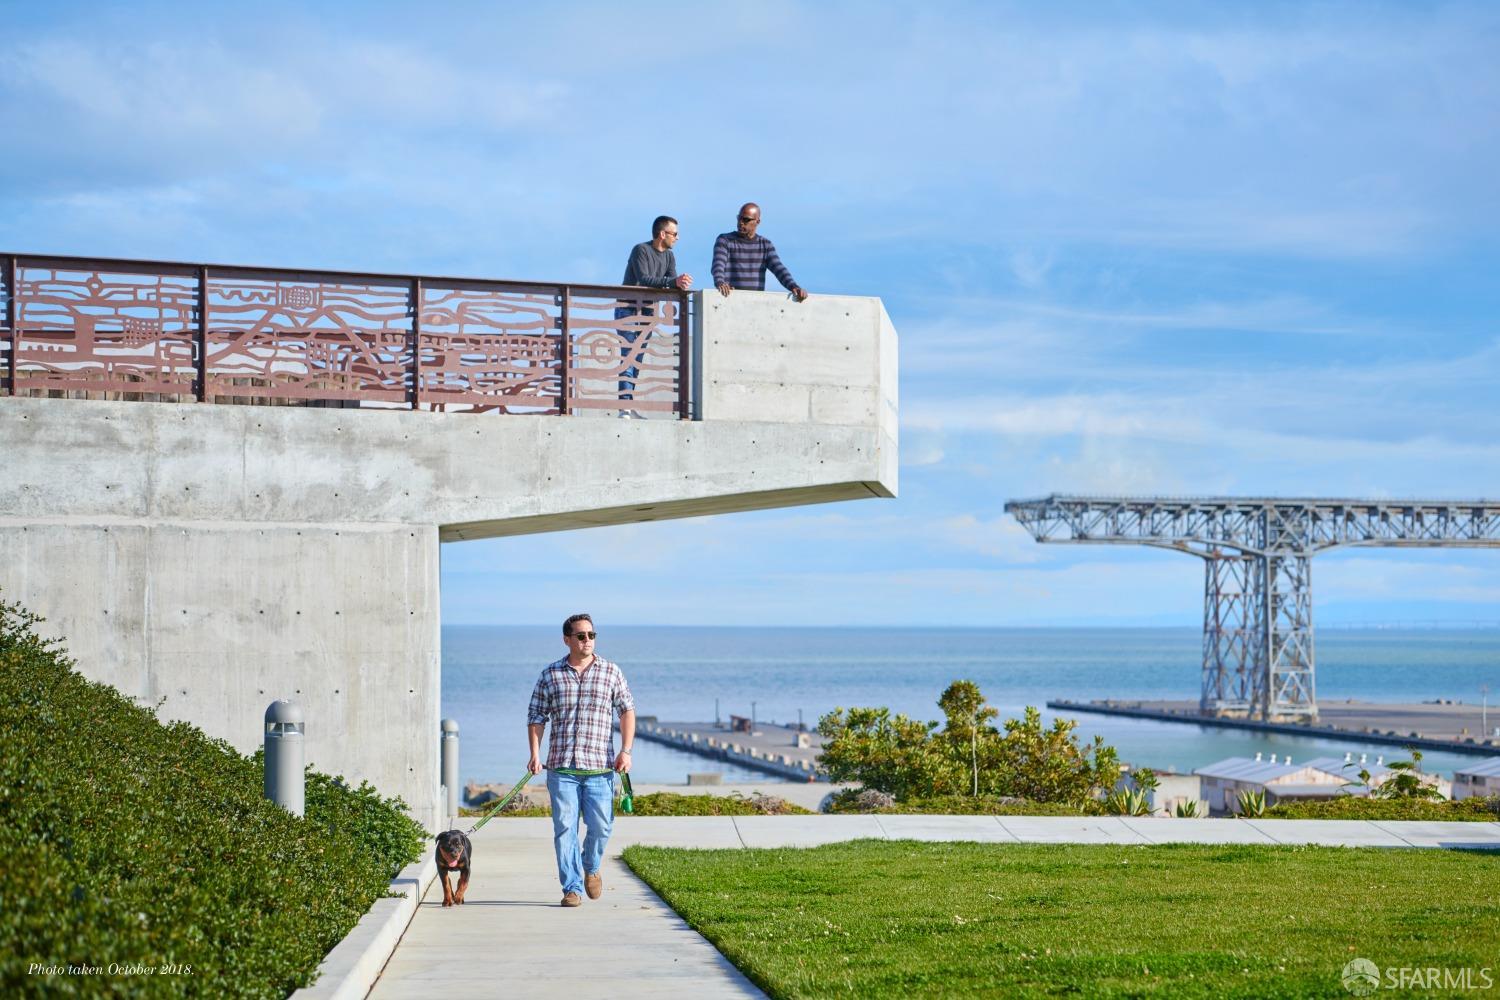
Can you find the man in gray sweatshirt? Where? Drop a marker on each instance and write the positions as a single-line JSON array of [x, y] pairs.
[[653, 265]]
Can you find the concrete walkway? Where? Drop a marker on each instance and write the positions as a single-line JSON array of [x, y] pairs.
[[512, 939]]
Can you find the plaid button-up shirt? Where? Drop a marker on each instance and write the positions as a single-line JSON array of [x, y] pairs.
[[581, 706]]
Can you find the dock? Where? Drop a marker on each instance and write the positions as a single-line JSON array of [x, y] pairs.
[[787, 752], [1448, 726]]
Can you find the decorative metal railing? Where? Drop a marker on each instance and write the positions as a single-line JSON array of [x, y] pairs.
[[132, 329]]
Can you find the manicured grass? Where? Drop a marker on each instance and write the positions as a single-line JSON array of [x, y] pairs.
[[878, 918]]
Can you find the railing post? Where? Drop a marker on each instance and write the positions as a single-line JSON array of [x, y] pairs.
[[684, 409], [201, 338], [416, 343], [565, 351], [10, 322], [284, 755], [450, 767]]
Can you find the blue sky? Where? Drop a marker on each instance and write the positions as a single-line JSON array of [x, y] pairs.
[[1165, 248]]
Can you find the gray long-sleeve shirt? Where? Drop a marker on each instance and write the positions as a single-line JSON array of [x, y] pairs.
[[650, 267]]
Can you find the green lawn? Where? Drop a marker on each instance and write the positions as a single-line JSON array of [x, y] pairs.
[[877, 918]]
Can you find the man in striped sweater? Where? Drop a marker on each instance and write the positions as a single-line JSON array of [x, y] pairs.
[[742, 258]]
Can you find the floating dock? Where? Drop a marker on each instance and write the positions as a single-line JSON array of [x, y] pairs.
[[1449, 726], [785, 751]]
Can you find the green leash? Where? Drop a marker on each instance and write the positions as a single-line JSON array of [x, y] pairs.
[[501, 804], [627, 801]]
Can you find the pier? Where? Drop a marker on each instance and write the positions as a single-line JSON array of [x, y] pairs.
[[1439, 725], [785, 751]]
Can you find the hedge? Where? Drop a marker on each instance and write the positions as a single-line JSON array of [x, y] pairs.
[[1359, 807], [861, 800], [669, 804], [145, 856]]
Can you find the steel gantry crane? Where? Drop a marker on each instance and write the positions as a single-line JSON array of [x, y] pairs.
[[1257, 589]]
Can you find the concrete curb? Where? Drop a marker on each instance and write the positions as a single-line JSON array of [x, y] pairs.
[[349, 971]]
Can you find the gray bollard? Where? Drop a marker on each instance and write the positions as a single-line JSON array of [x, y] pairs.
[[450, 764], [284, 755]]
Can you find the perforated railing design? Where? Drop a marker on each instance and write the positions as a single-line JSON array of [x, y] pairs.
[[127, 329]]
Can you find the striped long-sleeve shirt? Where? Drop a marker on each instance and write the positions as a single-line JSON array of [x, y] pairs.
[[743, 263]]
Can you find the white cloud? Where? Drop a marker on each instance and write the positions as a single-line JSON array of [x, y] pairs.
[[1001, 537]]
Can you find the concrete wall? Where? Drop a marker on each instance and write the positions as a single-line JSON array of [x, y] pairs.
[[215, 557]]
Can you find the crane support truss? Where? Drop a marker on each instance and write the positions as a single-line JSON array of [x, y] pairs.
[[1258, 657]]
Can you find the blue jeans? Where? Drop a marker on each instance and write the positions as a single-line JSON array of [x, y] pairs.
[[630, 373], [594, 798]]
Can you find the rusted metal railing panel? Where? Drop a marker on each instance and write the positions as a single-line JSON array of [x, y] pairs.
[[625, 350], [490, 348], [103, 328], [144, 329], [300, 337]]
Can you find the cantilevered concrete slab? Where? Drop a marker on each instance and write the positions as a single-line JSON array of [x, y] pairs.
[[212, 557]]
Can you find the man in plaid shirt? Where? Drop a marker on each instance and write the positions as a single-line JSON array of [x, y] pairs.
[[579, 694], [741, 258]]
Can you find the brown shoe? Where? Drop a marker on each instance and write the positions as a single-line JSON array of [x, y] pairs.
[[572, 899], [593, 885]]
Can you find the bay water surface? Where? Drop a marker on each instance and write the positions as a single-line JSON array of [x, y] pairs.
[[686, 674]]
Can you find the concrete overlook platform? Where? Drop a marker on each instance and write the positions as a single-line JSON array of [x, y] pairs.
[[212, 557]]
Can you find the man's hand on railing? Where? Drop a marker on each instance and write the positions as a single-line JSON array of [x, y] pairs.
[[684, 282], [724, 288]]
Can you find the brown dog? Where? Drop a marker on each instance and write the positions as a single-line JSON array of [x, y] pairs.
[[453, 854]]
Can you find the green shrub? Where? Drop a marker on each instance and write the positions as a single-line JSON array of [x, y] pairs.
[[1250, 804], [893, 754], [1127, 802], [673, 804], [911, 759], [1359, 807], [125, 840]]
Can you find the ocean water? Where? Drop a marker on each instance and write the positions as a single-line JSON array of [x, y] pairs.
[[789, 674]]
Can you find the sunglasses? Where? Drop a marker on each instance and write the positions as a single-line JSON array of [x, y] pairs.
[[747, 220], [581, 636]]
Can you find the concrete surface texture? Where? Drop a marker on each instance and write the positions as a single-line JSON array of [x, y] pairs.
[[630, 943], [212, 558], [512, 939]]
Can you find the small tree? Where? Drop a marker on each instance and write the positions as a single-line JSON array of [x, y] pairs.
[[1407, 781], [967, 714]]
